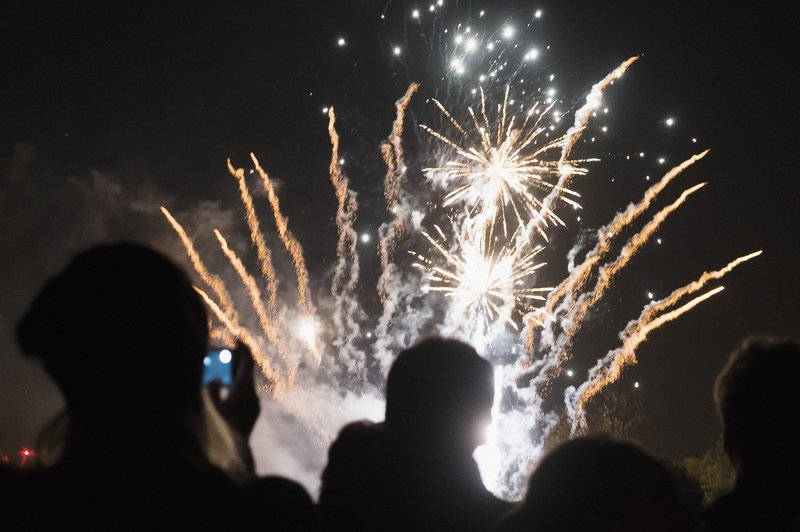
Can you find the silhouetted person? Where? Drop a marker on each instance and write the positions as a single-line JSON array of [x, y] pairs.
[[600, 484], [353, 496], [439, 396], [758, 401], [140, 445]]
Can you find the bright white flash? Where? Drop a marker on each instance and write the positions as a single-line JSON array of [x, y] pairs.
[[307, 330]]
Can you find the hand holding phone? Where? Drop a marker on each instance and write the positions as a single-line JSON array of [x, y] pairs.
[[240, 407]]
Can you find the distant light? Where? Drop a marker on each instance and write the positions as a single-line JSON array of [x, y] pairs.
[[650, 295], [439, 2], [604, 128], [658, 240], [669, 121], [579, 218], [481, 77], [396, 50], [369, 335], [570, 373], [636, 384], [341, 162], [415, 13], [552, 77], [459, 39], [207, 361], [694, 139], [471, 44], [490, 46], [551, 92], [508, 32], [341, 41], [647, 178], [641, 154], [538, 13], [605, 110], [325, 110], [225, 356], [365, 237], [481, 13], [431, 7], [661, 160]]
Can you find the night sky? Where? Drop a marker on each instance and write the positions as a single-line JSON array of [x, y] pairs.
[[110, 109]]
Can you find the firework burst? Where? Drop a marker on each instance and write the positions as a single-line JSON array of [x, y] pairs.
[[496, 167], [487, 285]]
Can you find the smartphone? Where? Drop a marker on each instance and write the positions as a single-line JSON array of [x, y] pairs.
[[218, 366]]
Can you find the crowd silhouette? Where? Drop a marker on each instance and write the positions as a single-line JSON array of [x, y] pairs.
[[156, 449]]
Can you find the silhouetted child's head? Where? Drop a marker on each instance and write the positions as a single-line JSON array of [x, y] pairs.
[[439, 393], [758, 401], [123, 334]]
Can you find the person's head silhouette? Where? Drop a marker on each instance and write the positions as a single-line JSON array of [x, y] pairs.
[[120, 322], [439, 395], [757, 398], [600, 483], [123, 334]]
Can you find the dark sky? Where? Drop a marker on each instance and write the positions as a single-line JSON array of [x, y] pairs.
[[108, 109]]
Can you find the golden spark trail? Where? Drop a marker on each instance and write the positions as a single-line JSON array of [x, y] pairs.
[[606, 274], [656, 307], [635, 333], [261, 312], [276, 383], [213, 281], [257, 237], [291, 243], [609, 369], [578, 277], [583, 114], [345, 216], [565, 169], [605, 277], [392, 153], [343, 286]]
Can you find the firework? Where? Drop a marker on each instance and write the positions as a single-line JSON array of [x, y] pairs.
[[498, 165], [504, 170]]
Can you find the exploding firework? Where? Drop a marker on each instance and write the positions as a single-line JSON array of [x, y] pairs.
[[499, 167], [505, 172]]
